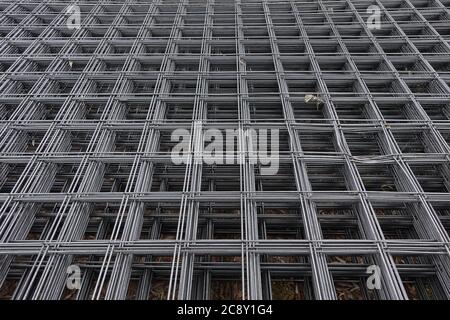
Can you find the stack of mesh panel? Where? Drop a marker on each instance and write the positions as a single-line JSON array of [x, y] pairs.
[[89, 188]]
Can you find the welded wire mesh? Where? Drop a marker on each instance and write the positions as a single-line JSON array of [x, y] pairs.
[[87, 178]]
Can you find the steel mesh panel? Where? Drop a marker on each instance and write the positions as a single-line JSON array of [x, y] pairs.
[[87, 177]]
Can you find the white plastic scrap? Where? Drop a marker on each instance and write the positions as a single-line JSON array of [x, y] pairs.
[[312, 99]]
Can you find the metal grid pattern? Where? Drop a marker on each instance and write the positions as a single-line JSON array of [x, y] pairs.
[[86, 175]]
